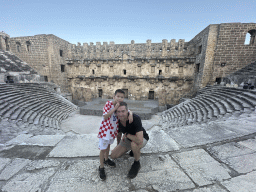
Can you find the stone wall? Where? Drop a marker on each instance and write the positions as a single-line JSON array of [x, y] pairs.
[[232, 53], [166, 71], [42, 52]]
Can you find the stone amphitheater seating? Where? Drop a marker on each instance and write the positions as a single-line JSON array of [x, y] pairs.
[[211, 103], [10, 62], [32, 103]]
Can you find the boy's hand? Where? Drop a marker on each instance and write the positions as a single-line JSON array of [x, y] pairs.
[[130, 117], [117, 105]]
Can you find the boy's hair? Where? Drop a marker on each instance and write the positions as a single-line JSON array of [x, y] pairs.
[[119, 91], [123, 104]]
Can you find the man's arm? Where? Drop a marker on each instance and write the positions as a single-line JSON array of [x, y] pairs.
[[118, 137], [138, 138]]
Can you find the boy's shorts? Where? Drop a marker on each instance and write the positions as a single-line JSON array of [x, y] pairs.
[[127, 143], [103, 143]]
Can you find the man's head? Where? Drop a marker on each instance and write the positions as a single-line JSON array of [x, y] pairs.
[[119, 95], [122, 111]]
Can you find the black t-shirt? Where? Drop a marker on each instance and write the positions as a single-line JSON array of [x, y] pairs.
[[134, 127]]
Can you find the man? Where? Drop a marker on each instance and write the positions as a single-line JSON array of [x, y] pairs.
[[134, 138]]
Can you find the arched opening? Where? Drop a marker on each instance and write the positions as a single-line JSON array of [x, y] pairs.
[[28, 45], [7, 44], [250, 37], [18, 46], [100, 92], [151, 95]]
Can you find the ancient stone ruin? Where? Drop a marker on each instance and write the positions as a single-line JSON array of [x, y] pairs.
[[166, 71], [205, 141]]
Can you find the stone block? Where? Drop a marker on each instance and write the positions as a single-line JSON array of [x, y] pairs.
[[12, 168], [77, 146], [19, 139], [43, 140], [242, 183], [159, 141], [201, 167], [29, 181], [4, 162]]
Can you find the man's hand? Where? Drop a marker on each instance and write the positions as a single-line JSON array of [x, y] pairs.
[[124, 136]]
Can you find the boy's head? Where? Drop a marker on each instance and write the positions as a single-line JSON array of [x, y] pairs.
[[119, 91], [119, 96]]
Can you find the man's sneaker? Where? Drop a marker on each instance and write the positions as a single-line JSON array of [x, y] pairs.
[[110, 163], [134, 170], [102, 173], [131, 153]]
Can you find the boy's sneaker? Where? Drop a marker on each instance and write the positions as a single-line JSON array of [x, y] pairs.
[[110, 163], [134, 170], [102, 173]]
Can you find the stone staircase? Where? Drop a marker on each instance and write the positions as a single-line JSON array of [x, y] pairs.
[[32, 103], [211, 103]]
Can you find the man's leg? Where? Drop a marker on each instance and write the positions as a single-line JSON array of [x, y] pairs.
[[118, 151], [136, 150], [136, 165]]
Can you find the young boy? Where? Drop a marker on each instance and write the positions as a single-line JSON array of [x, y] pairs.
[[108, 130]]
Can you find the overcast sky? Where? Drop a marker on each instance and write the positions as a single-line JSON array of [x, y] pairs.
[[120, 20]]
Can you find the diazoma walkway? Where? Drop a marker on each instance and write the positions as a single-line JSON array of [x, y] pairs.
[[204, 144]]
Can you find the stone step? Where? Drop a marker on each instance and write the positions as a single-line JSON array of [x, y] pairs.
[[11, 111], [238, 106], [41, 120], [250, 100], [200, 116], [191, 106], [209, 112], [14, 116], [4, 110], [3, 106], [32, 117], [221, 107], [27, 115], [45, 122], [37, 118], [204, 114], [222, 99], [216, 110]]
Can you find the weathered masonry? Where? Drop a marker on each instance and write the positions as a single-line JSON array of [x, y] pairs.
[[165, 71]]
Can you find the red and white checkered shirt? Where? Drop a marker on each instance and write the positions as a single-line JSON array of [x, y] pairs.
[[109, 127]]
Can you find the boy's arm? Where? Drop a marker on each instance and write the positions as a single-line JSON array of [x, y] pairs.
[[106, 116], [130, 117]]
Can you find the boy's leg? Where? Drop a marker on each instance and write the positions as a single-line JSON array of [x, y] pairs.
[[107, 161], [107, 153], [102, 155]]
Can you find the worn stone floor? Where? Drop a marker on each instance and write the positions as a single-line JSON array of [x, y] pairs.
[[215, 156]]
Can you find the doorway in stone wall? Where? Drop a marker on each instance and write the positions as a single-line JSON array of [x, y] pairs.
[[125, 93], [151, 95], [100, 93]]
